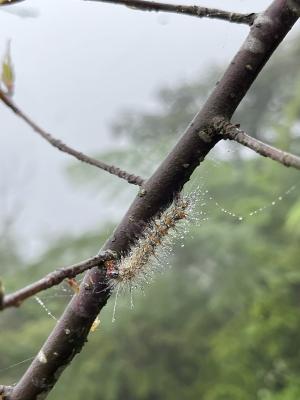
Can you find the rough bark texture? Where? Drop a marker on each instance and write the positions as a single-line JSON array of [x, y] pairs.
[[71, 331]]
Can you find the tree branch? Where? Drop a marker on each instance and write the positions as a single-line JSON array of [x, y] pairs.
[[199, 138], [9, 2], [130, 178], [232, 132], [55, 278], [4, 392], [195, 11]]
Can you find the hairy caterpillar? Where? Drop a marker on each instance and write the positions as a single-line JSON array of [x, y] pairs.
[[139, 266]]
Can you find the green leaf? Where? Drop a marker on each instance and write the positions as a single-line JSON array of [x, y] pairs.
[[7, 73]]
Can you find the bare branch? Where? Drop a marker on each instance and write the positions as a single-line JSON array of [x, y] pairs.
[[55, 278], [9, 2], [195, 11], [232, 132], [130, 178]]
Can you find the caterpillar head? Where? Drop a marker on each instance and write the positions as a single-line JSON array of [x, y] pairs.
[[112, 270]]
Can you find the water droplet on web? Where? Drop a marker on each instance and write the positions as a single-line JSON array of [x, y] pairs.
[[41, 303]]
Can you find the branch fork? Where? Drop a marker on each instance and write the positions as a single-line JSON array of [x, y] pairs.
[[231, 131], [55, 278]]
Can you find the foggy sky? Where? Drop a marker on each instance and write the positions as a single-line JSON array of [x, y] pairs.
[[77, 65]]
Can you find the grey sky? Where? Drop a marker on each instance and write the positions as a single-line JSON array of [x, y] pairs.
[[78, 64]]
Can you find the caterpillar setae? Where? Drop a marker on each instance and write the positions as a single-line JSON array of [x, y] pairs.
[[138, 267]]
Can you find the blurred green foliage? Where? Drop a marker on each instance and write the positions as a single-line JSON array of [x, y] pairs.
[[223, 323]]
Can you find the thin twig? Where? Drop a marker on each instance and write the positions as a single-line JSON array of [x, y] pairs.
[[232, 132], [9, 2], [55, 278], [130, 178], [195, 11]]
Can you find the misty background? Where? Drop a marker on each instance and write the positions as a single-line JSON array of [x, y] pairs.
[[77, 65], [122, 85]]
